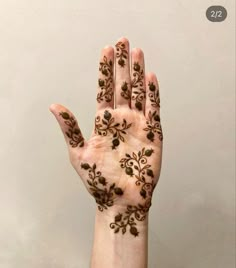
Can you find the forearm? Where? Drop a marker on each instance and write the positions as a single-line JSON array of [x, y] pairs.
[[117, 250]]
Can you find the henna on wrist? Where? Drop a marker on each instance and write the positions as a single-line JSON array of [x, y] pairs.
[[130, 217], [136, 165]]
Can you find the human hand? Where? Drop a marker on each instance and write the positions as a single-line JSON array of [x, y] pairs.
[[120, 164]]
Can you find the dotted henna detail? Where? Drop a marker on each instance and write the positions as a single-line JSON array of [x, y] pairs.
[[130, 218], [153, 126], [154, 95], [105, 84], [138, 92], [136, 166], [103, 195], [121, 53], [73, 132], [107, 125]]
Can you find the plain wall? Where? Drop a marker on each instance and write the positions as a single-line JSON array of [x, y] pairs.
[[49, 52]]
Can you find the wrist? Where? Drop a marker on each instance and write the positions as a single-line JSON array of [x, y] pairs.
[[118, 249], [124, 220]]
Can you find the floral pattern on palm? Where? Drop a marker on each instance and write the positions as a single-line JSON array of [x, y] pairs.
[[138, 86], [107, 125], [136, 165], [105, 84], [153, 126], [73, 132], [121, 53], [154, 95], [103, 195], [129, 218]]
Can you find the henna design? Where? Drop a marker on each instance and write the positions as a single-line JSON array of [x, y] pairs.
[[153, 126], [104, 196], [132, 214], [136, 165], [154, 95], [125, 91], [106, 125], [105, 84], [137, 83], [73, 132], [121, 53]]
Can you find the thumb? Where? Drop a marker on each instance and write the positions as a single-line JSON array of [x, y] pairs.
[[69, 126]]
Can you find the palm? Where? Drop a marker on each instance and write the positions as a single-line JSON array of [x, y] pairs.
[[120, 164]]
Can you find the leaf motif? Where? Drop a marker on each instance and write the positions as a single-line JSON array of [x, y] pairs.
[[112, 186], [89, 182], [68, 134], [134, 156], [104, 122], [146, 166], [143, 179]]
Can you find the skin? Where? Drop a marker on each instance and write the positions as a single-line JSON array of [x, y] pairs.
[[122, 191]]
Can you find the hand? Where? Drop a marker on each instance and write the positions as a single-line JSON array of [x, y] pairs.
[[120, 164]]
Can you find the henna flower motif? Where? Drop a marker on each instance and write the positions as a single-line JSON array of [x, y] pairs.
[[73, 132], [106, 84], [137, 86], [125, 91], [154, 95], [130, 218], [136, 165], [107, 125], [153, 126], [121, 53], [103, 195]]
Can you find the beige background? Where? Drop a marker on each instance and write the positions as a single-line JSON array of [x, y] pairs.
[[49, 52]]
